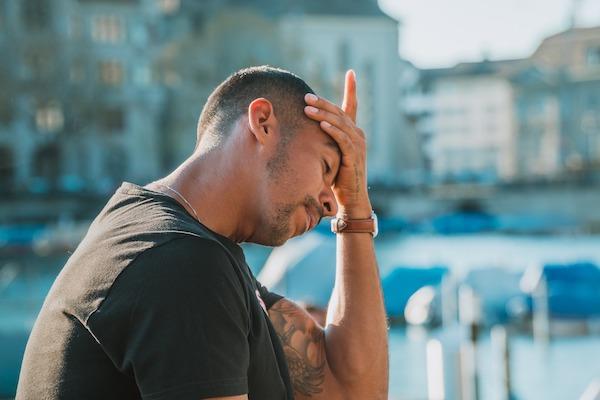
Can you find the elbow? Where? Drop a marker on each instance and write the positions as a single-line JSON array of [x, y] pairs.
[[351, 363], [359, 371]]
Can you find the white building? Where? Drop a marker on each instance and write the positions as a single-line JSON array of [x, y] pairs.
[[470, 122], [318, 41], [321, 47]]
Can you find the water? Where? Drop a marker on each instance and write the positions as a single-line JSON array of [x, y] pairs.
[[559, 372]]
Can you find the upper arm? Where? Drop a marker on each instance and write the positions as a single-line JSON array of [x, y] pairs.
[[303, 342]]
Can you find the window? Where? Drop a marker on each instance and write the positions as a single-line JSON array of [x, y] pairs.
[[108, 29], [111, 72], [46, 163], [49, 118], [6, 110], [115, 163], [112, 119], [142, 75], [2, 15], [37, 65], [77, 71], [75, 26], [169, 6], [593, 56], [36, 13], [7, 168]]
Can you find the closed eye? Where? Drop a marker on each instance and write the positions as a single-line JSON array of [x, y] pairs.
[[327, 167]]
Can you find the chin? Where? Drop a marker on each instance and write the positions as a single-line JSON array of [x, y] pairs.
[[271, 241]]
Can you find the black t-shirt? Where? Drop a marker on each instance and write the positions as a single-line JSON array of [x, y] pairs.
[[154, 305]]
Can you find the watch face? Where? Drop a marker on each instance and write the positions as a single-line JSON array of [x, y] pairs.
[[339, 225], [375, 224]]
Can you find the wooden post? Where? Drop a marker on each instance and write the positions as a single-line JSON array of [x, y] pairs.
[[500, 342], [541, 312]]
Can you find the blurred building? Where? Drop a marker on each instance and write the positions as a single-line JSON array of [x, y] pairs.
[[79, 110], [465, 115], [366, 41], [571, 60], [558, 107], [316, 40], [514, 120]]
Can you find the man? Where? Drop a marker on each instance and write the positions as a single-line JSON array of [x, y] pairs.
[[157, 302]]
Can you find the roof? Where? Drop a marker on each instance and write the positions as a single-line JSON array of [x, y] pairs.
[[481, 68], [314, 7], [581, 32]]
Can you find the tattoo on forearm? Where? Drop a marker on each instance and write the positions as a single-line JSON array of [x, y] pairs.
[[303, 344]]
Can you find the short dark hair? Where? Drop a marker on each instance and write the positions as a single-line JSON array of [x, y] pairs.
[[231, 99]]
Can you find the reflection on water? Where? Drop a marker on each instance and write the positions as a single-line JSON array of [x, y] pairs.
[[560, 371]]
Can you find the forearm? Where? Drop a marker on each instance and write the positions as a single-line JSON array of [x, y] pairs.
[[356, 332]]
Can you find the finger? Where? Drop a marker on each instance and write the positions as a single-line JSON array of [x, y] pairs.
[[341, 138], [319, 102], [350, 103], [342, 122]]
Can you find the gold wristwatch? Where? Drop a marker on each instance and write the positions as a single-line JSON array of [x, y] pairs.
[[346, 225]]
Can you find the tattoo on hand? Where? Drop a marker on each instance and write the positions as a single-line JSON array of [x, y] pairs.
[[303, 344]]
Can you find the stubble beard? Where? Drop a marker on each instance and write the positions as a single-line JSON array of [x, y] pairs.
[[278, 229]]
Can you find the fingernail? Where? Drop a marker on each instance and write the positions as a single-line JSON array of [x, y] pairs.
[[311, 98], [325, 124], [311, 109]]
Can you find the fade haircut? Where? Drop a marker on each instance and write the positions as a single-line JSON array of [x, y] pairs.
[[230, 100]]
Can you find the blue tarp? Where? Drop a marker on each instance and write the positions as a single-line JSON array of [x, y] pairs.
[[19, 235], [463, 222], [573, 290], [403, 282]]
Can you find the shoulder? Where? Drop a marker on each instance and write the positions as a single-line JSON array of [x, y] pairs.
[[184, 266], [186, 247]]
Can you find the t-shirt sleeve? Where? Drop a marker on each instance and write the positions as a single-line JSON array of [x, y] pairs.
[[183, 333], [268, 297]]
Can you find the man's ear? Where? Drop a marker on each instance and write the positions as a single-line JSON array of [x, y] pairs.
[[261, 120]]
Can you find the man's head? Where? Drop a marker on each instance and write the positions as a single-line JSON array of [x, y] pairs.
[[230, 101], [287, 162]]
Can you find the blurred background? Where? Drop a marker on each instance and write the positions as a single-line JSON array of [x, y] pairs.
[[483, 123]]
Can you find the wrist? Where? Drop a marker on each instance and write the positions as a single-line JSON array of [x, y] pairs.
[[358, 211]]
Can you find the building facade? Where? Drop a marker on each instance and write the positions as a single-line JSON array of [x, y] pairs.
[[466, 117], [514, 120], [316, 40], [347, 42], [79, 111]]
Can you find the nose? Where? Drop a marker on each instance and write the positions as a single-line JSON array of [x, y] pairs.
[[328, 202]]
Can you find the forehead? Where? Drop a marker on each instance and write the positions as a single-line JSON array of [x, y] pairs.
[[312, 135]]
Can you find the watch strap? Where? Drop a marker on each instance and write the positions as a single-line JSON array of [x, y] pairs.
[[342, 225]]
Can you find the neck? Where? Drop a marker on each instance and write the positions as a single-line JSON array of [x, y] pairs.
[[216, 190]]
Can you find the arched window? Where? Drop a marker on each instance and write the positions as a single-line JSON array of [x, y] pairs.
[[115, 163], [7, 169], [46, 164]]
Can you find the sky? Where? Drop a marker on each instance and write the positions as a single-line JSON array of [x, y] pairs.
[[441, 33]]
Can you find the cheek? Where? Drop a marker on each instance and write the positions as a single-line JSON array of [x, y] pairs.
[[299, 177]]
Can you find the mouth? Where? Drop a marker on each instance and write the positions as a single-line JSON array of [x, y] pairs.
[[311, 219]]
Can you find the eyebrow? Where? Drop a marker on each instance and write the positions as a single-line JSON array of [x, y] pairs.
[[331, 143]]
